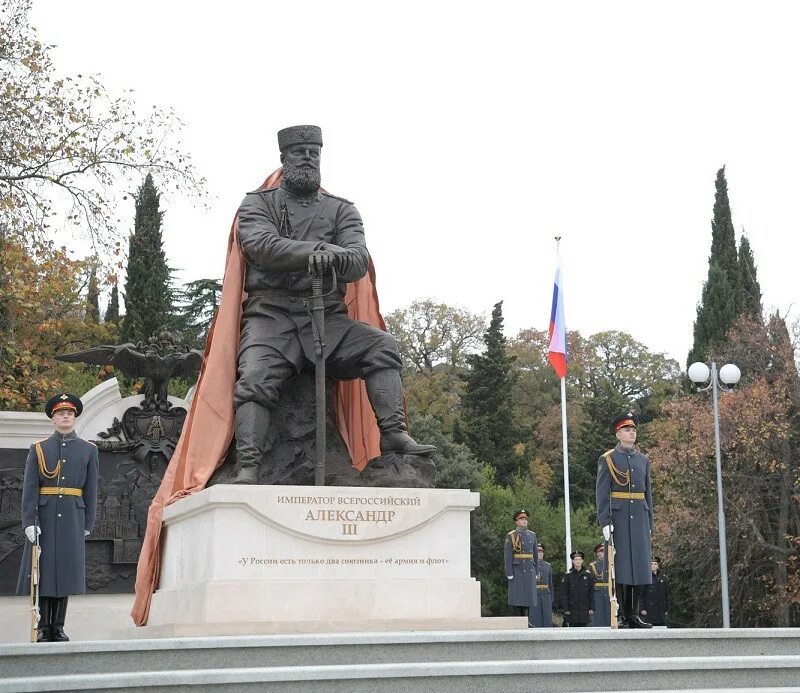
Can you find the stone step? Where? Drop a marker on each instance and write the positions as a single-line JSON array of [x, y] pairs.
[[408, 648], [676, 673]]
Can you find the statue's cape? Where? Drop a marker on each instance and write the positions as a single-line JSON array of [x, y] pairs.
[[208, 429]]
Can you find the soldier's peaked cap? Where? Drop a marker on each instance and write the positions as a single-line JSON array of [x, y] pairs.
[[299, 134], [626, 419], [576, 553], [656, 559], [520, 513], [63, 400], [599, 546], [540, 546]]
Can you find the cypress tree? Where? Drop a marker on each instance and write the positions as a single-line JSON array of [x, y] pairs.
[[487, 405], [750, 298], [715, 314], [112, 311], [147, 282], [93, 298], [720, 303], [723, 236]]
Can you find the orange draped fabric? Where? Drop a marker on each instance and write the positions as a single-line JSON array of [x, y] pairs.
[[208, 429]]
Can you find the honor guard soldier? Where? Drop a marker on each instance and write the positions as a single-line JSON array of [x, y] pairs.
[[656, 601], [521, 562], [543, 612], [625, 512], [599, 572], [578, 593], [59, 499]]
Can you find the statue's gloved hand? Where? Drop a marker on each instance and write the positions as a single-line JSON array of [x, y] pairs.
[[607, 532], [29, 532], [345, 259], [320, 261]]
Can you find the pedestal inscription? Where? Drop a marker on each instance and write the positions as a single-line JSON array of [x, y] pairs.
[[298, 553]]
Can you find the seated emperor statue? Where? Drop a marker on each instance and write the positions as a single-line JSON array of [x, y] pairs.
[[287, 233]]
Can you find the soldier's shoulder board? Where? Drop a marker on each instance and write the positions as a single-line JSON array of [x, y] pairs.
[[336, 197]]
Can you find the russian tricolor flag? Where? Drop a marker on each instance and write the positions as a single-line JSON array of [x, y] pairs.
[[557, 353]]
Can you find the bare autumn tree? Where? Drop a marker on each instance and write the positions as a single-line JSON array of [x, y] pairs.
[[68, 146], [760, 436], [430, 334]]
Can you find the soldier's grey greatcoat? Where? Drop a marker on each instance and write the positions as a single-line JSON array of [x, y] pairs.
[[522, 561], [62, 518], [276, 233], [625, 500], [602, 603], [543, 612]]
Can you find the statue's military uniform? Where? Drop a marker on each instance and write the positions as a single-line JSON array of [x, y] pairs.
[[66, 505], [285, 234], [602, 603], [521, 561], [624, 500], [276, 233], [543, 612]]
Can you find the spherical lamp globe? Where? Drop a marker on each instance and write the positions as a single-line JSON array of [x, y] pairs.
[[730, 374], [699, 373]]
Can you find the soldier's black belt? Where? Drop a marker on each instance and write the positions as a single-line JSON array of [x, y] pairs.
[[59, 491], [624, 495], [523, 555]]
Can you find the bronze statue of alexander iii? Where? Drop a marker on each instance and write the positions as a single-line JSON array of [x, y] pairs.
[[287, 233]]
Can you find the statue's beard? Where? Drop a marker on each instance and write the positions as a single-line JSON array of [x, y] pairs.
[[301, 180]]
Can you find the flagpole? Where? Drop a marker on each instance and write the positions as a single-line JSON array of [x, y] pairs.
[[565, 453], [566, 466]]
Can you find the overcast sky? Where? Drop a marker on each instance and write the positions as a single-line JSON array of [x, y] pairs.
[[470, 134]]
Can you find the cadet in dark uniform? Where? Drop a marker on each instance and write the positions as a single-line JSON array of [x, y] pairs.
[[286, 233], [60, 487], [543, 612], [578, 593], [602, 602], [625, 507], [521, 562], [656, 600]]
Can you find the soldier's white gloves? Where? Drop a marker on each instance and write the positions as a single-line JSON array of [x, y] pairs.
[[607, 532], [29, 533], [510, 577], [86, 532]]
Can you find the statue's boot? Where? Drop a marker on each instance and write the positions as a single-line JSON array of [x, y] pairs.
[[252, 429], [57, 633], [385, 393]]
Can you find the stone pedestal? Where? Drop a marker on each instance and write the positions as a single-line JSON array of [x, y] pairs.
[[305, 554]]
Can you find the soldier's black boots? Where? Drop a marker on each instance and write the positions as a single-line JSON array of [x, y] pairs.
[[43, 630], [59, 615], [385, 393], [632, 598], [252, 430]]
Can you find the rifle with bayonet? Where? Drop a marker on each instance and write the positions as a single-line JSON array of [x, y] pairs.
[[35, 553], [612, 581]]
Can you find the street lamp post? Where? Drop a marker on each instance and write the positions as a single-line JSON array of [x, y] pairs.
[[728, 376]]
